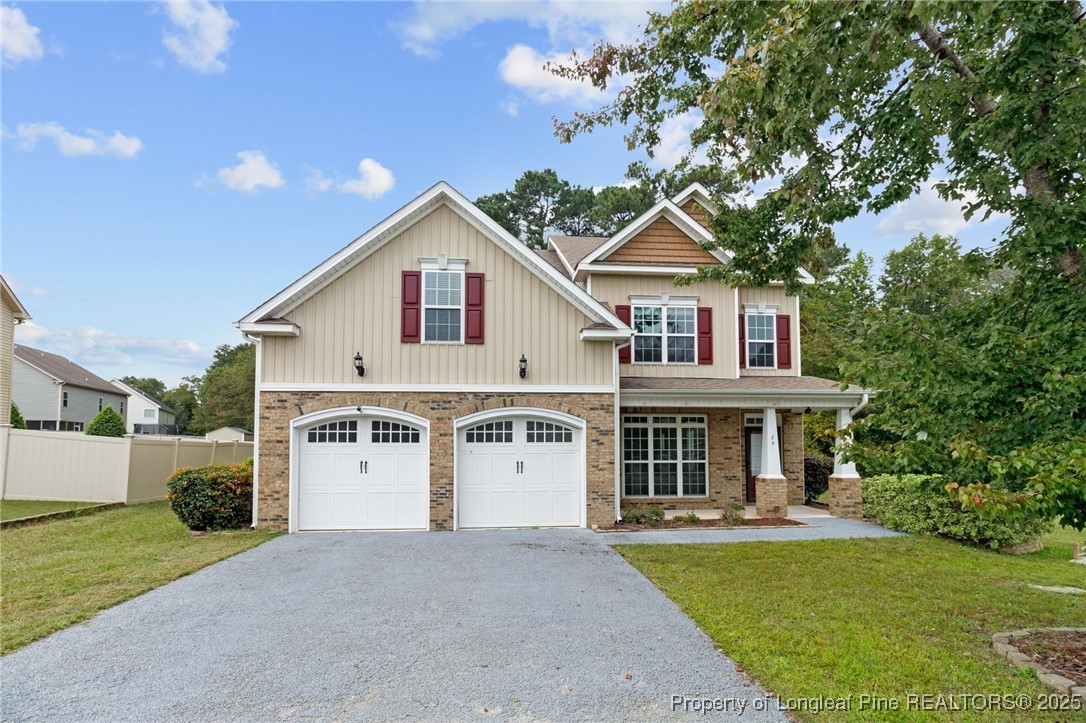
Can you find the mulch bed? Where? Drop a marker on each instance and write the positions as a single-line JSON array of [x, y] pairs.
[[706, 525], [1064, 653]]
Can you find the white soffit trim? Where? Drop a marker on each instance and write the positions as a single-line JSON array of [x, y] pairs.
[[606, 334], [17, 309], [440, 194], [269, 328], [667, 209], [699, 193], [468, 388]]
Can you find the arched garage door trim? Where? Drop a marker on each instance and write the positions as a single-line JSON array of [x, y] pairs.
[[299, 424], [537, 412]]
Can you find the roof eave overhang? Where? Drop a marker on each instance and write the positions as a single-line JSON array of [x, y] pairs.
[[623, 334], [749, 399], [269, 328]]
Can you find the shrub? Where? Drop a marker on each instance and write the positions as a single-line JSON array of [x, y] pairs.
[[816, 475], [652, 515], [919, 504], [17, 420], [690, 517], [216, 497], [732, 515], [107, 424]]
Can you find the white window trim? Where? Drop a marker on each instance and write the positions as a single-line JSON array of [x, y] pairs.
[[678, 425], [663, 302], [443, 264], [763, 309]]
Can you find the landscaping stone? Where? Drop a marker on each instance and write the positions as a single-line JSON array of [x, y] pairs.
[[1060, 589], [1003, 643]]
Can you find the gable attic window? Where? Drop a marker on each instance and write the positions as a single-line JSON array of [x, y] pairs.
[[443, 300]]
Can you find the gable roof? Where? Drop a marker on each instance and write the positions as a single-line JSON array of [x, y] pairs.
[[552, 258], [571, 249], [64, 370], [17, 309], [441, 194], [696, 192], [132, 391]]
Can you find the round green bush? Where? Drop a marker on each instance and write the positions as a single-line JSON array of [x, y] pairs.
[[107, 424], [816, 475], [216, 497], [920, 505]]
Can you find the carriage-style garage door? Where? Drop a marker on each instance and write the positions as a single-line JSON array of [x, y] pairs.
[[520, 471], [363, 473]]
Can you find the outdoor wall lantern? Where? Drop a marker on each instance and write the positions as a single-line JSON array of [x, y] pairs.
[[358, 364], [523, 366]]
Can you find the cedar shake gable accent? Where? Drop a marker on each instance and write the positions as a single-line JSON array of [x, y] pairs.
[[661, 243]]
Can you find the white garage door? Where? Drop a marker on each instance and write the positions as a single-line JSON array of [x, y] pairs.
[[363, 473], [519, 472]]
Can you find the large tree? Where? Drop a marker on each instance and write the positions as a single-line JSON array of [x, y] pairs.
[[154, 388], [226, 390], [855, 106]]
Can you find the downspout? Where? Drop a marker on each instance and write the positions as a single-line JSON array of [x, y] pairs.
[[617, 434], [863, 403], [256, 426]]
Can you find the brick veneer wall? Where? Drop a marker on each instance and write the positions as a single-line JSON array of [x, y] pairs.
[[277, 409], [792, 442]]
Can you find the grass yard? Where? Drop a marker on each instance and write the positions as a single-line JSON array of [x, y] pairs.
[[886, 617], [14, 509], [58, 573]]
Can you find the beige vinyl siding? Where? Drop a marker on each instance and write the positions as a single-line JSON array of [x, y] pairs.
[[7, 349], [615, 289], [662, 242], [774, 296], [360, 311]]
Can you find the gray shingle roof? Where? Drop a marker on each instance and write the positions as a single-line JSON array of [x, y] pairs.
[[65, 370], [575, 248]]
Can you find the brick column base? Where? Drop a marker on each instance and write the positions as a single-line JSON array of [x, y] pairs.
[[846, 497], [771, 499]]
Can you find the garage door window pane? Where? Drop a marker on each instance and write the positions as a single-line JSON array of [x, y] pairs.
[[382, 432], [548, 432], [345, 432], [491, 433]]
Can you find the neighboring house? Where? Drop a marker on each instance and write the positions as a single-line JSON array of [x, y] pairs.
[[57, 394], [230, 434], [145, 414], [12, 312], [438, 374]]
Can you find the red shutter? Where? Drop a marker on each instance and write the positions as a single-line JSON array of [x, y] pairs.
[[474, 288], [623, 313], [411, 307], [784, 341], [705, 335], [742, 342]]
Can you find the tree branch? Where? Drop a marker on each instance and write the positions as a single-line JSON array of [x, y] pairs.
[[939, 47]]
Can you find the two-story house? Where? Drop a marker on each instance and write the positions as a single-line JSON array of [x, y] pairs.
[[55, 393], [144, 414], [12, 313], [438, 374]]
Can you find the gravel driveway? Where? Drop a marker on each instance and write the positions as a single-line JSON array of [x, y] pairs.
[[531, 625]]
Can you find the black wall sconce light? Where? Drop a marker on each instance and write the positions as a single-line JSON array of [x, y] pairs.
[[523, 366], [358, 367]]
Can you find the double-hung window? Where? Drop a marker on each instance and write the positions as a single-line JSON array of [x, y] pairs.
[[443, 301], [761, 339], [665, 333], [664, 456]]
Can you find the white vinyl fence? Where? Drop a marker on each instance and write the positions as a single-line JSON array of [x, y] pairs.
[[74, 466]]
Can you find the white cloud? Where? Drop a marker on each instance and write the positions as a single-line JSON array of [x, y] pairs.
[[254, 171], [568, 24], [94, 143], [674, 143], [927, 213], [88, 345], [23, 291], [523, 68], [18, 38], [317, 182], [201, 34], [510, 106], [374, 180]]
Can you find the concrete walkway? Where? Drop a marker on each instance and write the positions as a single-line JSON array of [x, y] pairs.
[[820, 525], [532, 625]]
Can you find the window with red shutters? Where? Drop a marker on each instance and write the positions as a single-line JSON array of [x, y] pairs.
[[705, 335], [474, 292], [624, 315], [411, 307], [742, 342]]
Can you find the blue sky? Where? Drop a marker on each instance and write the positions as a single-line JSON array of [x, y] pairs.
[[166, 168]]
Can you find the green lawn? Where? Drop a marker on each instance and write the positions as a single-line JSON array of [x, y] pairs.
[[59, 573], [14, 509], [885, 617]]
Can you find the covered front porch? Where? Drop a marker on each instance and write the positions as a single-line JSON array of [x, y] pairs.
[[704, 445]]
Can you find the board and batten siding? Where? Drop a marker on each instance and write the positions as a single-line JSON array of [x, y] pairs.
[[7, 350], [360, 312], [616, 289], [774, 296]]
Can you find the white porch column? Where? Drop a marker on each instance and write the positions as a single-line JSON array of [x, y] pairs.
[[771, 445], [771, 488], [840, 467]]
